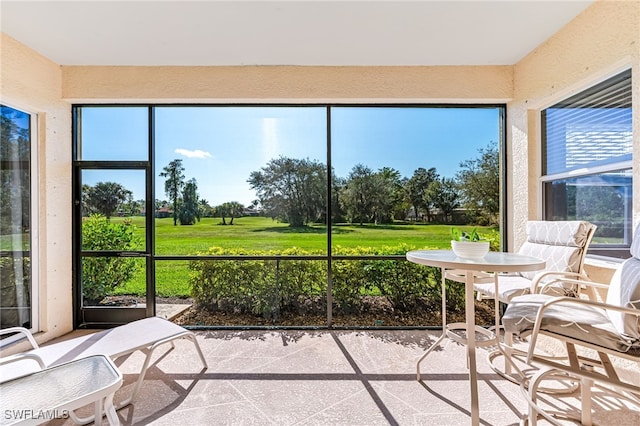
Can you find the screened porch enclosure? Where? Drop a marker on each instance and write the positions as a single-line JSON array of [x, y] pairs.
[[275, 215]]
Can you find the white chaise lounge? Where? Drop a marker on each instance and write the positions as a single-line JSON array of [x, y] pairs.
[[143, 335]]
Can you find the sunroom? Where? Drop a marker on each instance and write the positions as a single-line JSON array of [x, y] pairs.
[[79, 78]]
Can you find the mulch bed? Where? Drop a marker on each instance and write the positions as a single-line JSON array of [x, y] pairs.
[[375, 312]]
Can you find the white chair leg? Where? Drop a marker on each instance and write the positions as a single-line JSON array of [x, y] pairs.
[[98, 412], [585, 395], [110, 411], [508, 345], [147, 361], [194, 340], [427, 352], [531, 394], [533, 388]]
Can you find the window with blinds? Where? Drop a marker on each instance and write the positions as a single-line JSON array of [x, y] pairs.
[[587, 148]]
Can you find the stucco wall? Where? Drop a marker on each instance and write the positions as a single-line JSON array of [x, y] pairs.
[[602, 41], [33, 83], [288, 84]]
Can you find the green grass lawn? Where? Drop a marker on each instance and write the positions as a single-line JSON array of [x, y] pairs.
[[259, 233], [264, 234]]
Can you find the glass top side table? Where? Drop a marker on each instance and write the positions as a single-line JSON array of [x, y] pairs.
[[57, 391]]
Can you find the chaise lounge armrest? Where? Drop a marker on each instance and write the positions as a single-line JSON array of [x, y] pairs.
[[22, 357], [28, 361], [20, 330]]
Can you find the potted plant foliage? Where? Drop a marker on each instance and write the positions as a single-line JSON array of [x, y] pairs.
[[468, 244]]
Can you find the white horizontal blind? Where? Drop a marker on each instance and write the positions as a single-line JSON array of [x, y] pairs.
[[590, 129]]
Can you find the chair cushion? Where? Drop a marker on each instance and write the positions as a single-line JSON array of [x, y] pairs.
[[574, 233], [509, 286], [581, 322], [560, 243], [558, 258], [635, 244], [624, 290]]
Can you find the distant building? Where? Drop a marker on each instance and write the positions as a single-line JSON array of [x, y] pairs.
[[248, 211], [163, 212]]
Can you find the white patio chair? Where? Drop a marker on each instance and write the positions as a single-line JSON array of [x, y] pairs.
[[591, 332], [563, 246], [144, 335]]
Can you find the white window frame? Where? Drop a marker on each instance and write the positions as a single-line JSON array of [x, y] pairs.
[[34, 214], [34, 225], [583, 171]]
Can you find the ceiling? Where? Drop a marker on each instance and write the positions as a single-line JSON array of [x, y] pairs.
[[302, 32]]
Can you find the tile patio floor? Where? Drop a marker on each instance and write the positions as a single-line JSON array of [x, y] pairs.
[[290, 377]]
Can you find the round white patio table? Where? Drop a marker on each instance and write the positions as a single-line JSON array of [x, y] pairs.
[[493, 261]]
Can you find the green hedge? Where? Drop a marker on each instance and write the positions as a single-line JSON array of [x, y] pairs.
[[102, 275], [15, 289], [266, 286]]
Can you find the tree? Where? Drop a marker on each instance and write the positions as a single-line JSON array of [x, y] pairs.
[[15, 139], [358, 194], [596, 202], [133, 207], [161, 203], [291, 190], [232, 209], [205, 208], [189, 209], [416, 188], [222, 211], [444, 196], [106, 198], [87, 208], [337, 206], [388, 195], [479, 183], [235, 210], [173, 185], [15, 189]]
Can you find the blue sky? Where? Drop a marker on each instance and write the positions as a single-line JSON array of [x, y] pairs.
[[19, 118], [221, 146]]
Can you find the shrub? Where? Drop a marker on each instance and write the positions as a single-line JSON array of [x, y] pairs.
[[404, 284], [101, 275], [237, 285], [257, 286], [268, 286], [493, 236], [15, 289]]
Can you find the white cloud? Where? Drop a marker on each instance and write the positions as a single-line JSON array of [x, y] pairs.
[[193, 154]]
